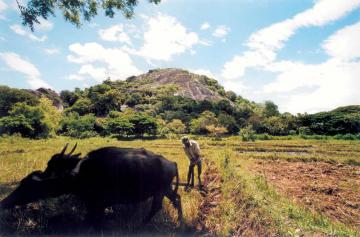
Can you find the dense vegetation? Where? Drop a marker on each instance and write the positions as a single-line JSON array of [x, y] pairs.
[[127, 108]]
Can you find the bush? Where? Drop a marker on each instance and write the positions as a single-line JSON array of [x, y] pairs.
[[345, 137], [74, 125], [198, 126], [176, 126], [29, 121], [247, 134], [263, 137], [304, 131], [119, 126]]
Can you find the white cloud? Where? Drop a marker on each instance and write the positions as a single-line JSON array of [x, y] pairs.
[[75, 77], [52, 51], [271, 39], [205, 72], [44, 25], [166, 37], [115, 33], [117, 63], [344, 44], [16, 63], [205, 26], [317, 87], [21, 31], [99, 73], [3, 7], [221, 31]]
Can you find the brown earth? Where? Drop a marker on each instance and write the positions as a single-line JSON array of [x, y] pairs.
[[331, 189], [209, 205]]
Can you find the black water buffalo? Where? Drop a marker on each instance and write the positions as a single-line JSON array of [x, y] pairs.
[[105, 177]]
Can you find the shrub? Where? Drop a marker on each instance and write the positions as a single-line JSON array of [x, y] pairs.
[[216, 131], [29, 121], [305, 131], [198, 126], [74, 125], [247, 134], [119, 126], [176, 126], [263, 137]]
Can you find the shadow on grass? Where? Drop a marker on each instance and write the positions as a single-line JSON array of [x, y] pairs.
[[65, 216]]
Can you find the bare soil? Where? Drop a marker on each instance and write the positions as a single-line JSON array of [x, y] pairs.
[[209, 205], [331, 189]]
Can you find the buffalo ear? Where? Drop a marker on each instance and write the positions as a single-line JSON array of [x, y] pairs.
[[36, 178], [76, 155]]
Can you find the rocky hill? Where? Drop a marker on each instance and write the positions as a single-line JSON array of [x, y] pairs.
[[194, 86], [50, 94]]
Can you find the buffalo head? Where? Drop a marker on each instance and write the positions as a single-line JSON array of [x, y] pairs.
[[36, 186], [62, 164]]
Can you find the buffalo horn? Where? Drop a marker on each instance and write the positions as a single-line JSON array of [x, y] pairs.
[[73, 149], [64, 149]]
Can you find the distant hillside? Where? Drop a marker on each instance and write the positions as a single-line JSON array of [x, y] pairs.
[[190, 85], [50, 94], [341, 120], [168, 100]]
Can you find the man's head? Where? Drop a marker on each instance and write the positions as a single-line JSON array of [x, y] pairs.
[[185, 140]]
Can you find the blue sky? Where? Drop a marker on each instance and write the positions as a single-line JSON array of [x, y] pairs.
[[301, 54]]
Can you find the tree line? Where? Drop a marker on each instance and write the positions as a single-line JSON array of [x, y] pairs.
[[121, 108]]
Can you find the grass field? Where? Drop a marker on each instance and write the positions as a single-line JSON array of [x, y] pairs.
[[263, 188]]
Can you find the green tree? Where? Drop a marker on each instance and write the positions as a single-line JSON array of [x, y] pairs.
[[27, 120], [162, 129], [120, 126], [229, 123], [176, 126], [74, 125], [52, 116], [198, 126], [10, 96], [276, 126], [82, 106], [69, 97], [270, 109], [143, 124], [231, 95], [104, 99], [75, 9], [134, 99]]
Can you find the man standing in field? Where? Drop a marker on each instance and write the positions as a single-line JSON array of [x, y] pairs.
[[192, 151]]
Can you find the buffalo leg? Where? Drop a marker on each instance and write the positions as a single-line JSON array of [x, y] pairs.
[[155, 207], [95, 215], [176, 202]]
